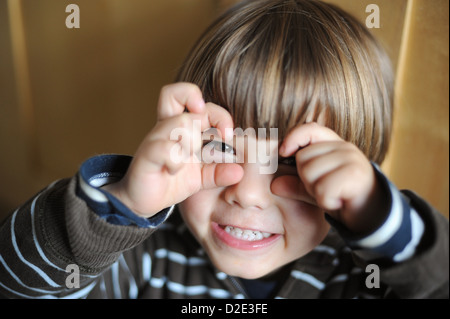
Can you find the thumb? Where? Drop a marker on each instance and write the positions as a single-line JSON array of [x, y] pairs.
[[221, 175], [290, 186]]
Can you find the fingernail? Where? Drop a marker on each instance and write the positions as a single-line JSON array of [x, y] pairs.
[[282, 149], [228, 133], [201, 105]]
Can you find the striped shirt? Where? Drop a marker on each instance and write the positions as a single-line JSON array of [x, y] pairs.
[[74, 240]]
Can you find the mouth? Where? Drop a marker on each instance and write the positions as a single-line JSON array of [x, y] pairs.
[[241, 238], [245, 234]]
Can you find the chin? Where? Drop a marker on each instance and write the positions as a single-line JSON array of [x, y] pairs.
[[244, 274], [244, 269]]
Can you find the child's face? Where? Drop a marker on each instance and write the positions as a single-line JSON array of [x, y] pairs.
[[286, 229]]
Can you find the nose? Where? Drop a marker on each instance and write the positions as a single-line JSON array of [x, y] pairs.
[[252, 191]]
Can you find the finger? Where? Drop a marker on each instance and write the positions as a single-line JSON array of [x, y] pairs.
[[290, 186], [213, 116], [186, 126], [175, 98], [221, 119], [324, 160], [312, 151], [221, 175], [159, 154], [349, 186], [329, 191], [305, 135]]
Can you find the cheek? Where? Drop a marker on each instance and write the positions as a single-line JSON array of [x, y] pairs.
[[197, 209], [305, 225]]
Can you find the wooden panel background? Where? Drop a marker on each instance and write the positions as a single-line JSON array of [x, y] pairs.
[[67, 94]]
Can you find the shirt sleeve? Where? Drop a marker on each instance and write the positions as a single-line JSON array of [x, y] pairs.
[[398, 236], [101, 170]]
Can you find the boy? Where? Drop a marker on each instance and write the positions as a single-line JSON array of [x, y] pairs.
[[313, 73]]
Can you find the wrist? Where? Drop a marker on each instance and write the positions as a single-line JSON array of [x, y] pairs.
[[375, 212], [372, 214], [118, 190], [398, 235], [108, 171], [367, 214]]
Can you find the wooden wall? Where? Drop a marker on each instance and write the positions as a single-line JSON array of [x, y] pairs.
[[67, 94]]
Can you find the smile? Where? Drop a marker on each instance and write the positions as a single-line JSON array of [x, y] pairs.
[[246, 234], [245, 239]]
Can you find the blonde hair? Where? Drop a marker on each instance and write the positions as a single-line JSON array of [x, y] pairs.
[[277, 63]]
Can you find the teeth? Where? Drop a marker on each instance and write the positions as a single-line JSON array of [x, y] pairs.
[[250, 235]]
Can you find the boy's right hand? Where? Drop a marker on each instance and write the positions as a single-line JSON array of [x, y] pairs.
[[154, 180]]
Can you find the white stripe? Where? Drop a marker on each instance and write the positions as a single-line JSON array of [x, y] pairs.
[[82, 293], [325, 249], [338, 278], [13, 275], [102, 287], [189, 290], [33, 229], [91, 192], [50, 186], [391, 225], [179, 258], [218, 293], [38, 247], [184, 290], [308, 278], [335, 261], [158, 282], [26, 296], [79, 294], [41, 273], [115, 280], [221, 275], [36, 243], [133, 289], [146, 266], [102, 181], [197, 290], [417, 229]]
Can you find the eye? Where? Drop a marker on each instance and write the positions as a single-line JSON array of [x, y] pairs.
[[216, 151], [219, 146], [289, 161]]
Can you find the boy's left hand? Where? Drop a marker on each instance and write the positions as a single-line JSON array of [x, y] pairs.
[[336, 174]]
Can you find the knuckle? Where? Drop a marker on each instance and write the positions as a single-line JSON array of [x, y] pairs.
[[163, 146], [166, 89], [189, 88], [322, 193], [193, 87], [304, 170], [319, 190], [184, 120], [355, 172]]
